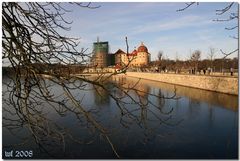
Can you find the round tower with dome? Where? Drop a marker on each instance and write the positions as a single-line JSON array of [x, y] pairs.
[[142, 55]]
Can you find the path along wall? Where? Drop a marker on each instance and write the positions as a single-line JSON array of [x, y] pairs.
[[227, 85]]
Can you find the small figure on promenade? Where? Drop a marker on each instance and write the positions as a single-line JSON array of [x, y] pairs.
[[204, 71], [231, 70]]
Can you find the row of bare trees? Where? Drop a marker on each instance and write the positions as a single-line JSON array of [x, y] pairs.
[[195, 62]]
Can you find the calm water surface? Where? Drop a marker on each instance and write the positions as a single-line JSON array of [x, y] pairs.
[[198, 125]]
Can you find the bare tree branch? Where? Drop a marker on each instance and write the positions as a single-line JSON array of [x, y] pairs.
[[187, 6], [41, 60], [227, 54], [222, 11]]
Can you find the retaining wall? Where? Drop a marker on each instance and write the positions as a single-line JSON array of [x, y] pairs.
[[227, 85]]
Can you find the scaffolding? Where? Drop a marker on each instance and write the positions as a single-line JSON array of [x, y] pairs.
[[100, 51]]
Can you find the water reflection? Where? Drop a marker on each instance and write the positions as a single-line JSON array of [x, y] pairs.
[[200, 124], [212, 98], [101, 96]]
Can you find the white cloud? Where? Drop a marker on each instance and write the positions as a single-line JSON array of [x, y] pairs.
[[187, 21], [159, 26]]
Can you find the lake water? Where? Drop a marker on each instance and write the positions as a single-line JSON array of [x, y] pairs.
[[198, 124]]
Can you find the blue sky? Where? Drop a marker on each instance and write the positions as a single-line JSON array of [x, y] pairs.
[[157, 24]]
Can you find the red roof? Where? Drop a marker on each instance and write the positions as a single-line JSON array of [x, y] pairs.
[[142, 48], [133, 53]]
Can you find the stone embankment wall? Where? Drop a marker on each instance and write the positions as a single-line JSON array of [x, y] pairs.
[[227, 85]]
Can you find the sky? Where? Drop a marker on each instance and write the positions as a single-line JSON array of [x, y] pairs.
[[156, 24]]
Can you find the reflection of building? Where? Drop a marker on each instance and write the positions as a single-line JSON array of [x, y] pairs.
[[139, 89], [101, 96], [130, 86], [102, 57]]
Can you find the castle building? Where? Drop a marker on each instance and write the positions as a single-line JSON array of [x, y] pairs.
[[102, 57], [136, 58]]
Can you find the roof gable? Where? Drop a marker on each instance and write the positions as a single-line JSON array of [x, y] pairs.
[[119, 51]]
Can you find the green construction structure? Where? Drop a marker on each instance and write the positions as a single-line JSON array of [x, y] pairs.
[[101, 56]]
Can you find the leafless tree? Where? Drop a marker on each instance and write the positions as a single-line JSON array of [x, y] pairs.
[[195, 57], [40, 59], [160, 55], [211, 54]]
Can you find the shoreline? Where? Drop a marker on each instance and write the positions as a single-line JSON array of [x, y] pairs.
[[227, 85]]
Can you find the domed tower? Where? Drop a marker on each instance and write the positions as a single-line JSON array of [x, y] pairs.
[[143, 55], [142, 48]]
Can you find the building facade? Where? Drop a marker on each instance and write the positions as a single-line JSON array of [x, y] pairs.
[[102, 58], [136, 58]]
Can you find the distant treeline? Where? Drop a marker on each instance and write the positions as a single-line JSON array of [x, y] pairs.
[[217, 65]]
